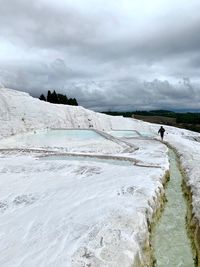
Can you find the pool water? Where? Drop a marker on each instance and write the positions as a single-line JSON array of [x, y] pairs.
[[73, 134], [111, 161], [52, 138], [131, 133], [125, 133], [146, 134]]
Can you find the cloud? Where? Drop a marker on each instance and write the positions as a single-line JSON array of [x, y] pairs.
[[120, 45], [100, 36], [38, 77], [136, 95]]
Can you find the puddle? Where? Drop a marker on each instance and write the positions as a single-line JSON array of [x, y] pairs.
[[169, 238]]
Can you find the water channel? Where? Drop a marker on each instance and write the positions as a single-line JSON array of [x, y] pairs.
[[169, 237]]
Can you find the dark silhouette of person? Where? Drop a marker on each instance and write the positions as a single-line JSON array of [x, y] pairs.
[[161, 132]]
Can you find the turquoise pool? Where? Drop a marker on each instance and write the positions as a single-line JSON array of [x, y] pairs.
[[52, 138], [147, 134], [124, 133], [131, 133], [111, 161]]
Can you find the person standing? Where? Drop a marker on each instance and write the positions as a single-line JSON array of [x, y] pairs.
[[161, 132]]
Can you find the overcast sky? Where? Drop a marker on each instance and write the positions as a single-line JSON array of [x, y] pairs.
[[109, 54]]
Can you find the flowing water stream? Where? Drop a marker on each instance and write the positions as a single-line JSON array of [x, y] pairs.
[[169, 238]]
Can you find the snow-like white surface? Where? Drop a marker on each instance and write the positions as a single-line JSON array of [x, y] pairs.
[[74, 212], [21, 113], [55, 213]]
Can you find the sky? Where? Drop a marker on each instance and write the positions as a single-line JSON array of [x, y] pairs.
[[110, 55]]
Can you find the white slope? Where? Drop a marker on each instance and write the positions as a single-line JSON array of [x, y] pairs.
[[79, 212], [20, 113]]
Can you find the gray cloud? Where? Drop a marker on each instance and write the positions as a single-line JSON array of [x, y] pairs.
[[135, 95], [38, 77], [60, 45], [38, 25]]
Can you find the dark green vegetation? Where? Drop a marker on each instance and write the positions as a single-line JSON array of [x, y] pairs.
[[58, 99], [191, 118], [116, 113], [188, 120]]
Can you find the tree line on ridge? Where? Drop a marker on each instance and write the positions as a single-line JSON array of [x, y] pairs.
[[55, 98]]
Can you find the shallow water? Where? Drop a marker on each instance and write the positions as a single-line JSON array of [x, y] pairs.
[[130, 133], [170, 241], [147, 134], [55, 137], [65, 135], [125, 133], [89, 159]]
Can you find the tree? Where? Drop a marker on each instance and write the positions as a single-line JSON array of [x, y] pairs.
[[42, 97], [62, 99], [70, 102], [75, 103], [54, 97], [49, 97], [58, 99]]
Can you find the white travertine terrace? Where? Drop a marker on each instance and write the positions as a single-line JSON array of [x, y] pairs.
[[76, 213]]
